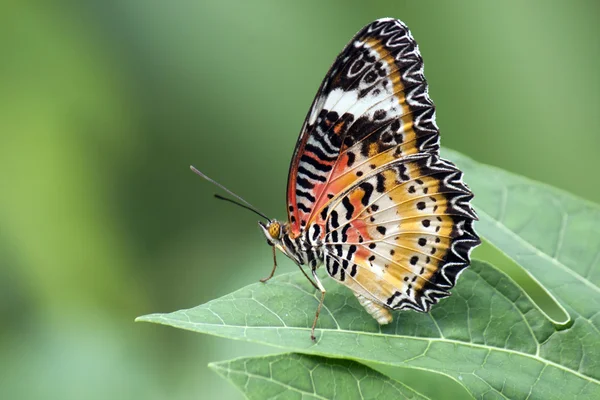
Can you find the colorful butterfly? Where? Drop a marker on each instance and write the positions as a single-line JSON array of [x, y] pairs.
[[368, 194]]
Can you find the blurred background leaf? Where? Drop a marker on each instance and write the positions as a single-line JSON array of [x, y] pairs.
[[103, 105]]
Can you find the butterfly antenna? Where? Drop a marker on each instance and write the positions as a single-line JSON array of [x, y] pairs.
[[242, 203]]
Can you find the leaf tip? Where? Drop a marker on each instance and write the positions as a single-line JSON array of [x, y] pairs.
[[213, 365], [219, 368], [145, 318]]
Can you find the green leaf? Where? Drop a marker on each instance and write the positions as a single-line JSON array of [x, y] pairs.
[[552, 234], [488, 336], [555, 236], [293, 376]]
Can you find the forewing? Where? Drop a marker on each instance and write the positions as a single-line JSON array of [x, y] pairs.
[[402, 235], [371, 109]]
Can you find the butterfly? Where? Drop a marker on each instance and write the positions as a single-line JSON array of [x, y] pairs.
[[369, 197]]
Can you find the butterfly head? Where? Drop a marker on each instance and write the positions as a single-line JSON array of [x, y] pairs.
[[273, 231], [276, 232]]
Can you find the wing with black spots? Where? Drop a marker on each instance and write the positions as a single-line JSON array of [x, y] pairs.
[[401, 235], [372, 108]]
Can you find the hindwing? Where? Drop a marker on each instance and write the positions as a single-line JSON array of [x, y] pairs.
[[402, 235]]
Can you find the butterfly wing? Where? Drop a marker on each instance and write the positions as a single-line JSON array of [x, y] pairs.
[[401, 236], [394, 218], [372, 108]]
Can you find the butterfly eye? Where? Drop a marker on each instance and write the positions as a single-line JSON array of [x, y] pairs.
[[275, 230]]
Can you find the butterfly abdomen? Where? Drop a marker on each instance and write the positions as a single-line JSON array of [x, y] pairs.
[[381, 314]]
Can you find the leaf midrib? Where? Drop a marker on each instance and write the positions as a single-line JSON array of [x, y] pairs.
[[441, 340]]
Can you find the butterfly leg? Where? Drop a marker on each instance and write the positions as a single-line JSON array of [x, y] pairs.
[[319, 286], [308, 277], [263, 280]]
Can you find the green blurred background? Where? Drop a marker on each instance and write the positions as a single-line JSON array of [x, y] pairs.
[[104, 104]]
